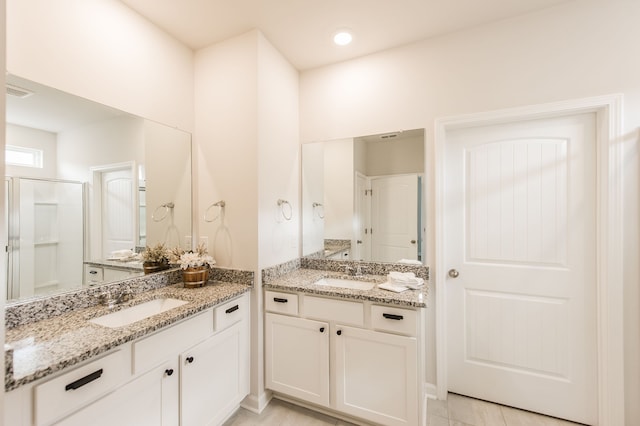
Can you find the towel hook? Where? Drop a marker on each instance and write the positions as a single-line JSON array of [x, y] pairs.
[[282, 203], [320, 211], [220, 204], [167, 207]]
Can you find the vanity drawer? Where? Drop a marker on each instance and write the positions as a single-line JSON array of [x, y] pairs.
[[93, 275], [231, 312], [284, 303], [395, 320], [71, 390], [341, 311], [151, 351]]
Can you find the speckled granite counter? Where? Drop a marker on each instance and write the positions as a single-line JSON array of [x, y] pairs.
[[303, 280], [43, 347], [333, 247], [132, 265]]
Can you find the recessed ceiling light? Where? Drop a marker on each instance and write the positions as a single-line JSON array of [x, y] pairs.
[[342, 38]]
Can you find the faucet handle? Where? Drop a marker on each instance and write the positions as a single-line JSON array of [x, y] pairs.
[[125, 296]]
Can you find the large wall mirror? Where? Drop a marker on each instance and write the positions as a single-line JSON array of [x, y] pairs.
[[362, 198], [87, 185]]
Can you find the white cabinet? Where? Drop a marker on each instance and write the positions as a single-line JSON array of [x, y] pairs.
[[151, 399], [297, 357], [376, 376], [358, 358], [193, 373], [213, 379]]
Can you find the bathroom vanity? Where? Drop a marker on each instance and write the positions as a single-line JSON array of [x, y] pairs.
[[186, 365], [353, 352]]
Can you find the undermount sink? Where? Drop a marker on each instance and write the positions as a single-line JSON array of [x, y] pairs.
[[138, 312], [344, 283]]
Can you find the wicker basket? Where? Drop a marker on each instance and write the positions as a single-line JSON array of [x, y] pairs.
[[195, 277]]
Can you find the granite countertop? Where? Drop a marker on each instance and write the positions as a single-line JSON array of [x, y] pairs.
[[44, 347], [303, 280], [129, 265]]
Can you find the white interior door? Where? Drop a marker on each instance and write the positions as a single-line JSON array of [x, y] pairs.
[[119, 211], [520, 232], [394, 218]]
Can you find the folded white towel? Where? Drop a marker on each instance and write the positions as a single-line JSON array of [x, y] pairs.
[[410, 261], [407, 279], [121, 254], [393, 287]]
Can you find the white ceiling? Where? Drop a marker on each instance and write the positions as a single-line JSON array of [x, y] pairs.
[[52, 110], [303, 29]]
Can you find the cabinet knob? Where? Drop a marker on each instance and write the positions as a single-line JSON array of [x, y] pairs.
[[168, 371], [321, 329], [189, 359], [339, 332]]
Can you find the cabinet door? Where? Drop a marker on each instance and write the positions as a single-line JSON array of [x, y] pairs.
[[297, 357], [376, 376], [214, 377], [151, 399]]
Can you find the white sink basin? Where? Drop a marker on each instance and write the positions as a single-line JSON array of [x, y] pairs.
[[342, 283], [137, 312]]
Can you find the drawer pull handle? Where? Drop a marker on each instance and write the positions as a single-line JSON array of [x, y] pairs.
[[189, 359], [93, 272], [321, 329], [339, 332], [83, 381], [280, 300], [393, 317], [232, 309], [168, 371]]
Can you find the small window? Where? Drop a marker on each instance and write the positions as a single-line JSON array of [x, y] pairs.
[[25, 157]]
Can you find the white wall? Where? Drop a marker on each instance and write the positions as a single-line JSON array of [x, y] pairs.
[[28, 137], [312, 192], [338, 189], [578, 49], [390, 158], [278, 156], [167, 161], [108, 142], [103, 51], [246, 145], [226, 147]]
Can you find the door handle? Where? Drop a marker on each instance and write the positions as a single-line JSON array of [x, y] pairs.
[[453, 273], [413, 241]]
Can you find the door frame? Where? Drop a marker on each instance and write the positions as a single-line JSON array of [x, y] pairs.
[[609, 243], [95, 227]]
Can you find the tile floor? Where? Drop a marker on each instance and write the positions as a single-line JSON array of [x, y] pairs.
[[458, 410]]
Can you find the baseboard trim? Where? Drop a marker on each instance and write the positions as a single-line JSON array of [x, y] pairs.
[[256, 404], [431, 391]]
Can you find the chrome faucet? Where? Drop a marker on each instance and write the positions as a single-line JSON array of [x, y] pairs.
[[358, 271], [113, 298]]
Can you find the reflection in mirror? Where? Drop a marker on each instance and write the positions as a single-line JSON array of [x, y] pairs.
[[87, 187], [362, 198]]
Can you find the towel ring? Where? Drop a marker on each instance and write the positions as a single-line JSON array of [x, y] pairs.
[[220, 204], [167, 207], [282, 203], [319, 212]]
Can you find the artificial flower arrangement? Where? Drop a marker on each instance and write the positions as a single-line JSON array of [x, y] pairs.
[[155, 254], [195, 265], [190, 258], [155, 259]]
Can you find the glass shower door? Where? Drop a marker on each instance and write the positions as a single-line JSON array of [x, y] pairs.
[[46, 234]]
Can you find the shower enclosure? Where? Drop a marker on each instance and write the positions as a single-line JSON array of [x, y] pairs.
[[45, 228]]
